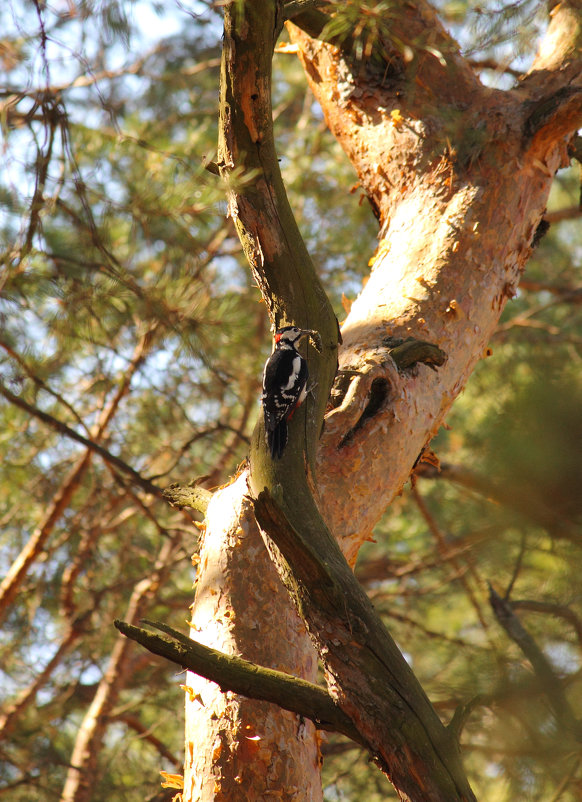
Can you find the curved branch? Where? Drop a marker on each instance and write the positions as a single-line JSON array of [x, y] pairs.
[[515, 497], [58, 426], [31, 551], [367, 674], [557, 62], [145, 733], [554, 83], [258, 204], [550, 608]]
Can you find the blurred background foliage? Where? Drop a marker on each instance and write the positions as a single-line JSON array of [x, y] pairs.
[[127, 314]]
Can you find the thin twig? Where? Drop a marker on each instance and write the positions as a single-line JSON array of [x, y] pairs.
[[62, 428], [549, 680], [516, 568]]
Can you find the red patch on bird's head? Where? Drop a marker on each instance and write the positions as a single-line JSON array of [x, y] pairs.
[[277, 336]]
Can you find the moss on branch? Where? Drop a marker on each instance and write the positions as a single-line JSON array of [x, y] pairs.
[[193, 496], [233, 673]]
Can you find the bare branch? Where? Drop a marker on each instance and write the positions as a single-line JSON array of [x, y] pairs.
[[41, 383], [233, 673], [146, 734], [29, 694], [568, 213], [194, 496], [520, 499], [62, 428], [447, 551], [550, 608], [541, 665]]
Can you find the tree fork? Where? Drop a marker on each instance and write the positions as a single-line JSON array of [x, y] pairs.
[[286, 277], [451, 254]]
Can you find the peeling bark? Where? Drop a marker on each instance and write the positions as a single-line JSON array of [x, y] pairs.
[[459, 190]]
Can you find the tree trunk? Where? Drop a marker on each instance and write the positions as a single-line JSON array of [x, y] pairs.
[[237, 748], [458, 176]]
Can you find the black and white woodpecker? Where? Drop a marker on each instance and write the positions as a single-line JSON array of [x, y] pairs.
[[284, 385]]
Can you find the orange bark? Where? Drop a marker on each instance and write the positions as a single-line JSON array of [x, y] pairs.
[[238, 749], [459, 190]]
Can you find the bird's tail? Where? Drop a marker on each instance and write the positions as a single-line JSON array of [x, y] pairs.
[[277, 439]]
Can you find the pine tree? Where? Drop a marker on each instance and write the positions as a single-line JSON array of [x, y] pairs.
[[132, 347]]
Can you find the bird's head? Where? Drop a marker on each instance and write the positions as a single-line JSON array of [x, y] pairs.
[[292, 335]]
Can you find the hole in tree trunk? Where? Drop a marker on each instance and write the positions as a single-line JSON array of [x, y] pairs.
[[379, 391]]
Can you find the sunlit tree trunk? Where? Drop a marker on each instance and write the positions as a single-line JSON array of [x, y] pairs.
[[249, 749]]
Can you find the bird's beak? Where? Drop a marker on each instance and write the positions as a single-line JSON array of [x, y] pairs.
[[314, 336]]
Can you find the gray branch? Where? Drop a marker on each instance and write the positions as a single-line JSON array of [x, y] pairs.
[[547, 676]]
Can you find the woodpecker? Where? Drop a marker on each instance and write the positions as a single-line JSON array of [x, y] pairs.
[[284, 386]]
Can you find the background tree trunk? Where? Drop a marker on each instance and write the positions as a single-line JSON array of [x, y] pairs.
[[82, 775]]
